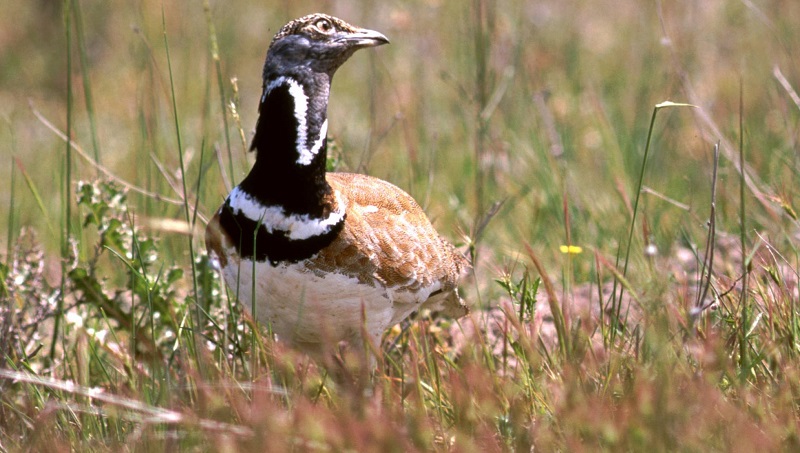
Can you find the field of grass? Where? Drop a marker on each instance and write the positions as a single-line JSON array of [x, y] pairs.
[[625, 175]]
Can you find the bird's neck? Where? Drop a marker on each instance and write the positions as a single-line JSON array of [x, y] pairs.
[[290, 145]]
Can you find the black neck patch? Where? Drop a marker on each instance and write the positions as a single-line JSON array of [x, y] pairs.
[[277, 125], [253, 241], [277, 179]]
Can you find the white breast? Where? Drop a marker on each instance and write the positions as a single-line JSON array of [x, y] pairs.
[[307, 309]]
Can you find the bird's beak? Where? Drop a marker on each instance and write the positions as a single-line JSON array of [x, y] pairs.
[[362, 37]]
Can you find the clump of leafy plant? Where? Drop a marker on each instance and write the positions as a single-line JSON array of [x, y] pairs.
[[26, 301], [146, 306]]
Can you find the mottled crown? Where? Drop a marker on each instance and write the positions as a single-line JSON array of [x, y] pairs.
[[316, 26]]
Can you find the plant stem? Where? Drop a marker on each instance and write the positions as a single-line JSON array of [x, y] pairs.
[[65, 184], [187, 212]]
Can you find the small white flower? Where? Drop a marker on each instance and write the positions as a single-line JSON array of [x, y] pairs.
[[96, 391], [74, 319], [99, 336]]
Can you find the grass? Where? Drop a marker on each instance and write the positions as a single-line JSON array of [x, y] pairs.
[[671, 322]]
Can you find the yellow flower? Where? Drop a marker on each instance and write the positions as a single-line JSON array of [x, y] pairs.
[[571, 249]]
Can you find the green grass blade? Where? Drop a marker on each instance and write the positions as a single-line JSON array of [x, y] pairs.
[[87, 83], [66, 175], [187, 209]]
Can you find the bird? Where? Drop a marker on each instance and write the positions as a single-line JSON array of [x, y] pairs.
[[324, 257]]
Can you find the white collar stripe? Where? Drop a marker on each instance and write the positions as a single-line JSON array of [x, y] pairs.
[[274, 218]]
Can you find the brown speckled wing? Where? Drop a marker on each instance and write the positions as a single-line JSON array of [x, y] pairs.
[[387, 238]]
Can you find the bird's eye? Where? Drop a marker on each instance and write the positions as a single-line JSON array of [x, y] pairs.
[[324, 25]]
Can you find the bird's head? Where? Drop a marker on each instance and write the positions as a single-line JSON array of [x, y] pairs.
[[300, 64], [319, 43]]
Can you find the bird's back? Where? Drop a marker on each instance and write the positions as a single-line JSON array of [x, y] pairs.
[[388, 239]]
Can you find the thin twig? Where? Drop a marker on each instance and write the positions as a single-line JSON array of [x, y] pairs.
[[713, 133], [105, 171], [776, 71], [706, 271], [669, 200], [173, 184], [152, 414]]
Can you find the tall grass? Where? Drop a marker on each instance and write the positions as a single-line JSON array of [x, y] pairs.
[[531, 126], [87, 85], [744, 347], [186, 203], [66, 185]]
